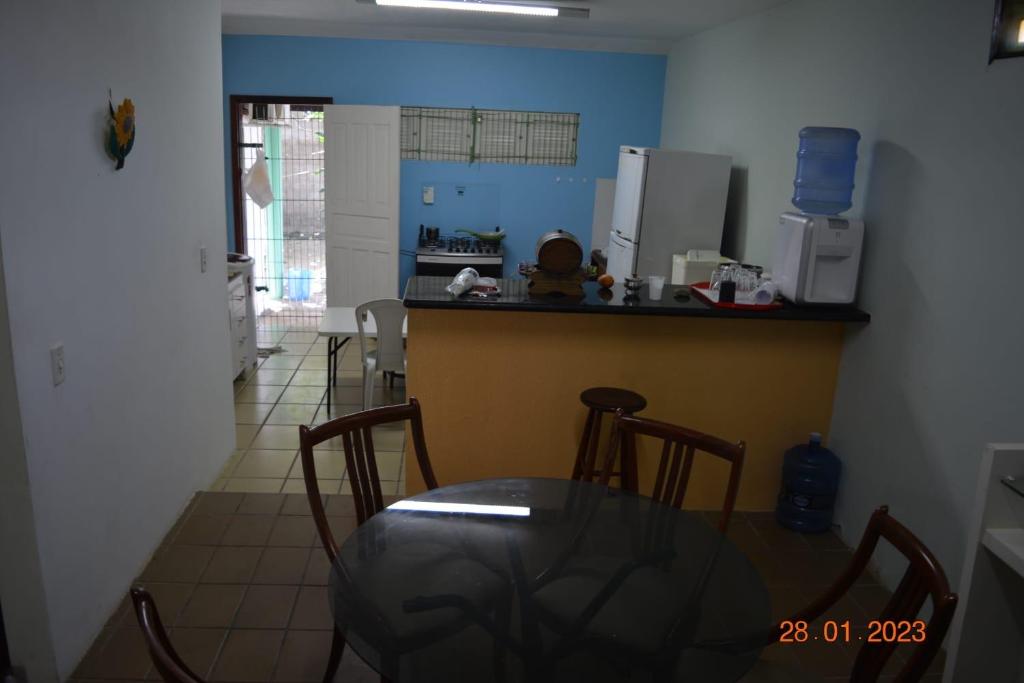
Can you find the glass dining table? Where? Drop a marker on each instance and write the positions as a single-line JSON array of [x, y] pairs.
[[532, 580]]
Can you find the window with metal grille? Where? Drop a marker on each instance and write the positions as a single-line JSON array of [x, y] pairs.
[[492, 136]]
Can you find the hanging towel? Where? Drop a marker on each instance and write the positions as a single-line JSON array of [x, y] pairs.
[[256, 183]]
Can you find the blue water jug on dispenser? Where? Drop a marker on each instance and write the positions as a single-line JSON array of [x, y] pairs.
[[810, 480], [825, 164]]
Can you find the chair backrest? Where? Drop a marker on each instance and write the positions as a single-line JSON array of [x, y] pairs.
[[924, 578], [165, 659], [356, 434], [388, 316], [679, 446]]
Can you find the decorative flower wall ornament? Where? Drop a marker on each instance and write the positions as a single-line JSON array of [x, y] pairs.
[[121, 135]]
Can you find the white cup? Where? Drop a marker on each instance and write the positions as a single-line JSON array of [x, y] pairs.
[[655, 284]]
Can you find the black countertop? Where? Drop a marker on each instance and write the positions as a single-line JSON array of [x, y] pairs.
[[429, 292]]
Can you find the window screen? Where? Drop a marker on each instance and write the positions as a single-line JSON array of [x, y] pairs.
[[490, 135]]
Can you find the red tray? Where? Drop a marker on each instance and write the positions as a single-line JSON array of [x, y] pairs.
[[696, 288]]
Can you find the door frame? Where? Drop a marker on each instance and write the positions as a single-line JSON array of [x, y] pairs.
[[235, 103]]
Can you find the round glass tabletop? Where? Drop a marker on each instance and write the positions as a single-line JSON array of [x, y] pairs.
[[531, 580]]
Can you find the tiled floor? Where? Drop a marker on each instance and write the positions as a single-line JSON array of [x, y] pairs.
[[288, 389], [241, 583]]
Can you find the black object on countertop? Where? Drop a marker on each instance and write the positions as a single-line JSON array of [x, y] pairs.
[[429, 292], [727, 292], [591, 584]]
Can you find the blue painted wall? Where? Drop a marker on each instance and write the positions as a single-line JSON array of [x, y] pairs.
[[619, 98]]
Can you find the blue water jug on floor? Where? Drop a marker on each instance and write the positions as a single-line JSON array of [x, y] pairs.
[[298, 283], [825, 164], [810, 480]]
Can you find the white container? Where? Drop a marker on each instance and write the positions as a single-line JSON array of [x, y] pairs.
[[696, 265], [655, 283]]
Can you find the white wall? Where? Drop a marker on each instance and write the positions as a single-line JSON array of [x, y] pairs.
[[21, 581], [937, 372], [108, 263]]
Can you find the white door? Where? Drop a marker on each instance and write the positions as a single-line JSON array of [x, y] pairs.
[[629, 195], [361, 186], [621, 258]]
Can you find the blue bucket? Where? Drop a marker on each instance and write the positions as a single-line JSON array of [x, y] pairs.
[[298, 283]]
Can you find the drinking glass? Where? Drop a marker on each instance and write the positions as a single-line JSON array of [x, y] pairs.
[[655, 285]]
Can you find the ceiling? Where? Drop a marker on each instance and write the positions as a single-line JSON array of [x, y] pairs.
[[614, 25]]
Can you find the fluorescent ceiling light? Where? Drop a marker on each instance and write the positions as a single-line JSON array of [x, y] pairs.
[[1020, 32], [461, 508], [490, 7]]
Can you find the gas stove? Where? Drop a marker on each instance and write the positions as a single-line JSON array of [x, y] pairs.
[[458, 245], [448, 254]]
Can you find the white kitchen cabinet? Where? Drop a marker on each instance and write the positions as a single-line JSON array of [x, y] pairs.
[[242, 323]]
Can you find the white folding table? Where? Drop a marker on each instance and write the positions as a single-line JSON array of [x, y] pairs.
[[339, 326]]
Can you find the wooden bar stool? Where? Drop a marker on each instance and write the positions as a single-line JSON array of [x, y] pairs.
[[602, 400]]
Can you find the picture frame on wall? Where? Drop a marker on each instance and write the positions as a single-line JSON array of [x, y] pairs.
[[1007, 30]]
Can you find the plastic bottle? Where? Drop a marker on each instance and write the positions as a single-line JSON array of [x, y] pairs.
[[810, 480], [825, 164]]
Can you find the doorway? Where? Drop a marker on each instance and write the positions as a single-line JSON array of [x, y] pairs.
[[286, 238]]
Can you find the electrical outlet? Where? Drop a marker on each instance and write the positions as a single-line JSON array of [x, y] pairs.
[[57, 363], [428, 194], [202, 259]]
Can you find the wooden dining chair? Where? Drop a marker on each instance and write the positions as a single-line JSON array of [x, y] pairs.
[[923, 579], [679, 446], [356, 434], [165, 659]]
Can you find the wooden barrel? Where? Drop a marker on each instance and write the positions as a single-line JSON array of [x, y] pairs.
[[559, 252]]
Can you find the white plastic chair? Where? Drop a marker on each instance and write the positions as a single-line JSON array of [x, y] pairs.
[[389, 316]]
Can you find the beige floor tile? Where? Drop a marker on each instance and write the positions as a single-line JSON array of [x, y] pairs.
[[277, 437], [244, 435], [282, 362], [329, 465], [217, 485], [319, 348], [323, 415], [327, 486], [231, 463], [270, 336], [252, 485], [386, 439], [309, 378], [400, 488], [343, 394], [300, 337], [292, 414], [296, 349], [252, 413], [389, 465], [348, 378], [352, 361], [314, 363], [254, 393], [265, 464], [273, 377], [306, 395]]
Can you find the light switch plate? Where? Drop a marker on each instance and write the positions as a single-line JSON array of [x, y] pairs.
[[428, 194]]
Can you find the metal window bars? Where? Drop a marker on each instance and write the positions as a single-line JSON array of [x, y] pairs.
[[490, 136], [287, 238]]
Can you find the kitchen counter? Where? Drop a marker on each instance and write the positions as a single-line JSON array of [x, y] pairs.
[[429, 292], [499, 380]]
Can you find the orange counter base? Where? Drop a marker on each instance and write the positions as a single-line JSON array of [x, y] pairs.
[[500, 390]]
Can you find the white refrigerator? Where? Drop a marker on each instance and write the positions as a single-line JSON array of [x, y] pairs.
[[666, 202]]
